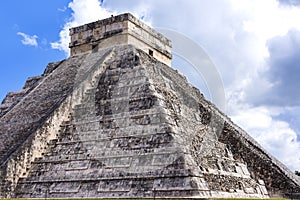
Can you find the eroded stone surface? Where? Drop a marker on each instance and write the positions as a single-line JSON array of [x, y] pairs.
[[116, 122]]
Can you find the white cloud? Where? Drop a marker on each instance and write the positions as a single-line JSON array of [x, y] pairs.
[[267, 19], [276, 136], [62, 9], [84, 11], [28, 40], [234, 33]]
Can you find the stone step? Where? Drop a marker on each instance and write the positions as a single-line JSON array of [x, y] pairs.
[[108, 175], [112, 153], [140, 188], [86, 114], [120, 123], [88, 152], [66, 155], [116, 99], [119, 91], [150, 131], [99, 136]]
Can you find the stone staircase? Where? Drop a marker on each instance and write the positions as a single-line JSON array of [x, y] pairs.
[[119, 143]]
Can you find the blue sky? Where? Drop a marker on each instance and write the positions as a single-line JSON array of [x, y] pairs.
[[19, 61], [254, 44]]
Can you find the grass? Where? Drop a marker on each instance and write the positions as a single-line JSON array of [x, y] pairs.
[[253, 199], [141, 198]]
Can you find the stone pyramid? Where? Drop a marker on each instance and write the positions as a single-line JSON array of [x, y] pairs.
[[115, 120]]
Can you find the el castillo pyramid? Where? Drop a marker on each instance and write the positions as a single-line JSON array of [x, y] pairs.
[[115, 120]]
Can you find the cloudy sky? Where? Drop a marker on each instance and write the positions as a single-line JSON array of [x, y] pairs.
[[254, 44]]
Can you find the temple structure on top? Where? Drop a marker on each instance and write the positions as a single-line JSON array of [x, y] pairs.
[[117, 30]]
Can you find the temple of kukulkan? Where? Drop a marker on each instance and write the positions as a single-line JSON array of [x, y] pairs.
[[115, 120]]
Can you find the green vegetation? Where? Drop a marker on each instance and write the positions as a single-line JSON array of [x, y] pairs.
[[144, 199], [252, 199], [297, 173]]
